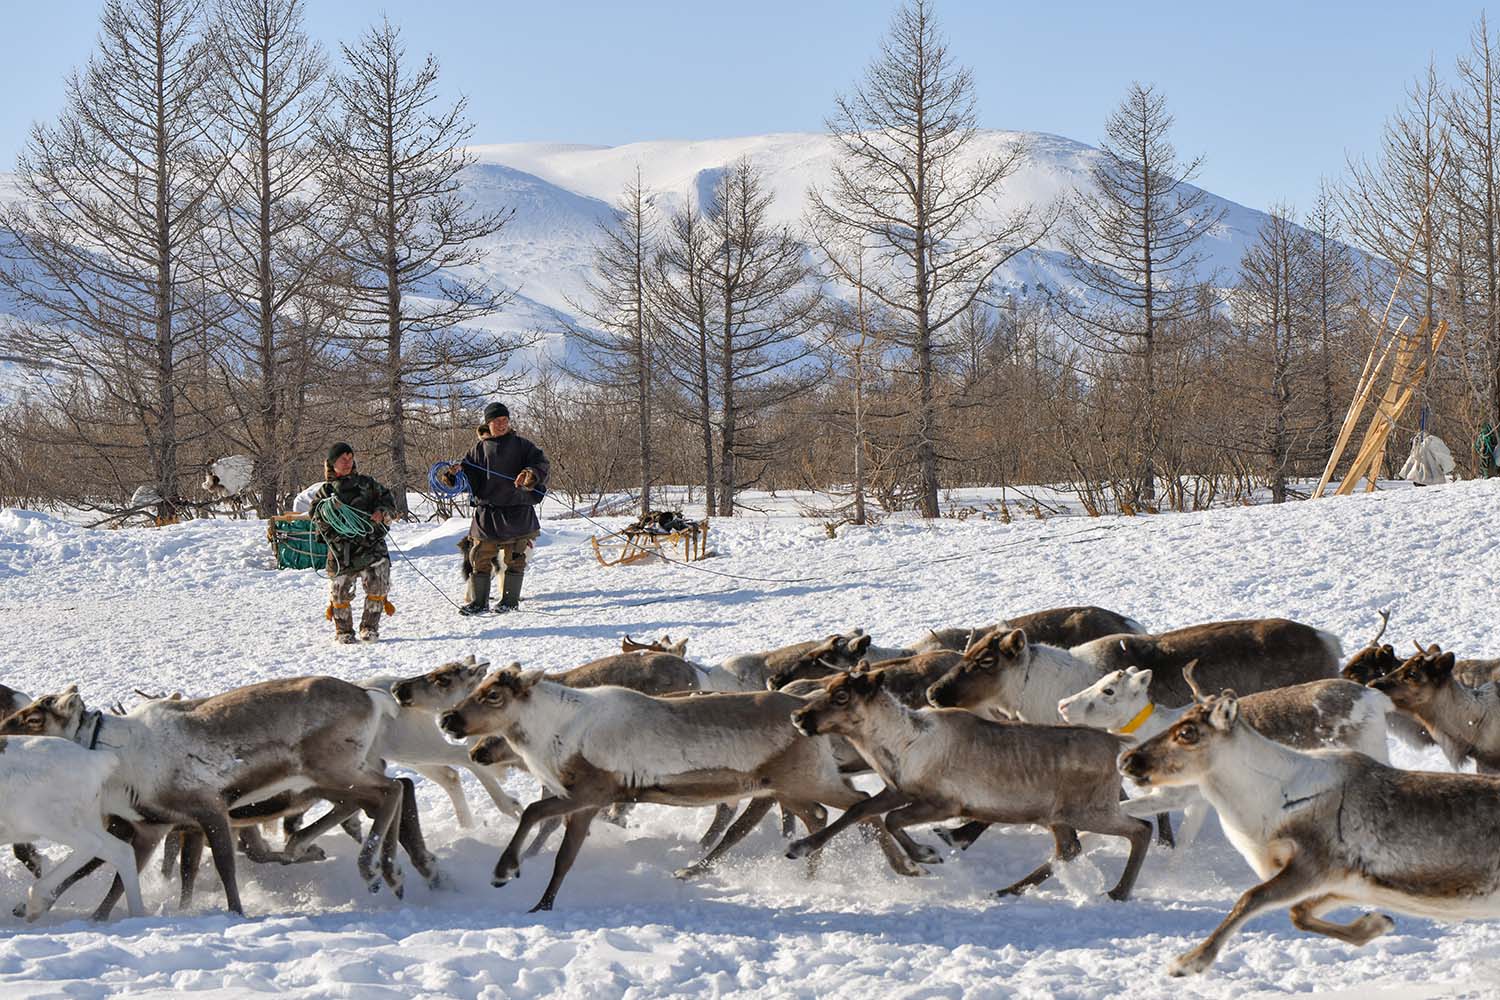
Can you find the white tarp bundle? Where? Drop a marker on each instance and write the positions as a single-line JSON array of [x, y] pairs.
[[1430, 461]]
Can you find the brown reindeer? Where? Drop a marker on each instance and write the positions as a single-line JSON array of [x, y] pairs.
[[594, 747], [938, 764], [1464, 721], [662, 645], [1062, 627]]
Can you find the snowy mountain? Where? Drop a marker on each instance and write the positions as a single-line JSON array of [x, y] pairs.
[[562, 192]]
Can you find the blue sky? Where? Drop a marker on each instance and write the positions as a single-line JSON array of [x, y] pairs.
[[1273, 93]]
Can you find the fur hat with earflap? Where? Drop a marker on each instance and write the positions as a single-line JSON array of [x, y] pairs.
[[338, 449]]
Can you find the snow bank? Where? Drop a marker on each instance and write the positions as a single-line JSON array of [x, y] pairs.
[[197, 607]]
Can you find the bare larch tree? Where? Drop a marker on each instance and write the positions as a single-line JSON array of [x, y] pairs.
[[413, 244], [103, 247], [914, 177], [614, 342], [1132, 238]]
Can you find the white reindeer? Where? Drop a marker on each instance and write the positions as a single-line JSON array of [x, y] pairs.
[[1325, 829], [1317, 715], [52, 789]]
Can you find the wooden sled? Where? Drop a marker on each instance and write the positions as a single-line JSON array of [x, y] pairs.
[[635, 545]]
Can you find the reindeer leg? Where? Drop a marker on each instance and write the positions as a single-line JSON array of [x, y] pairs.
[[447, 779], [1065, 848], [918, 812], [1298, 880], [387, 808], [1164, 830], [190, 843], [577, 830], [45, 890], [548, 827], [1305, 915], [171, 849], [503, 802], [412, 841], [144, 840], [886, 800], [962, 836], [749, 819], [216, 829], [509, 865], [723, 814], [1138, 832], [26, 854], [341, 810]]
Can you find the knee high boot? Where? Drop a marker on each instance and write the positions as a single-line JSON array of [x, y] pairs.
[[510, 597], [478, 593]]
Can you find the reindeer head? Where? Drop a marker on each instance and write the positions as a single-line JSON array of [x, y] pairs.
[[1184, 754], [834, 654], [990, 673], [50, 715], [662, 645], [1417, 681], [1111, 701], [842, 704], [441, 689], [488, 709], [1371, 663], [492, 750]]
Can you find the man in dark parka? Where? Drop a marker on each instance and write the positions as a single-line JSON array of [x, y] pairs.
[[508, 477]]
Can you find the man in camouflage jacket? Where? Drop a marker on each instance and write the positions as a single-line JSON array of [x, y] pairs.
[[508, 476], [360, 556]]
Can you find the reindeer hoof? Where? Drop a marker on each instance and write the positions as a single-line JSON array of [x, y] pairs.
[[799, 849], [436, 882], [374, 886], [688, 873], [545, 904], [1118, 895], [926, 855], [1188, 964]]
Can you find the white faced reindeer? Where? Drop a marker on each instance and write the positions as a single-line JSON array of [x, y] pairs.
[[593, 747], [191, 763], [1329, 828], [938, 764], [412, 739], [1313, 716]]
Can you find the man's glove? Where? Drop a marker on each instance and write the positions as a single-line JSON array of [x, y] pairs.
[[526, 480], [449, 476]]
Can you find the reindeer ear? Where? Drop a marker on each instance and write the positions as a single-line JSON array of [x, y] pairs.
[[469, 659], [1013, 644], [1141, 678], [679, 648], [529, 679], [859, 645], [1225, 711], [870, 680], [69, 700], [862, 667], [1444, 665]]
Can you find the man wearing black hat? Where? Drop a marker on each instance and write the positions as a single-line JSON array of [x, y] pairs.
[[354, 557], [508, 476]]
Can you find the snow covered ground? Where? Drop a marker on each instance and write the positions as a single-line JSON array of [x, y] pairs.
[[195, 607]]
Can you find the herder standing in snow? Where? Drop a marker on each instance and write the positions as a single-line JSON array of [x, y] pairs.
[[352, 512], [508, 476]]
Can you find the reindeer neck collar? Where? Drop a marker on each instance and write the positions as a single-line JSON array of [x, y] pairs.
[[1138, 721], [89, 723]]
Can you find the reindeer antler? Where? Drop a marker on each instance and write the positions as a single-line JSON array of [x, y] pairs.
[[1188, 673], [1385, 619]]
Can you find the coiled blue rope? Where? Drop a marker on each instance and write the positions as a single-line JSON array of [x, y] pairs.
[[460, 481], [342, 519]]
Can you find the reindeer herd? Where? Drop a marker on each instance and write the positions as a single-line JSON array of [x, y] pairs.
[[1050, 719]]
